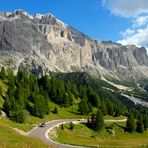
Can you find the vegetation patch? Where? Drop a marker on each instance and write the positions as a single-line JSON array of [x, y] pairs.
[[112, 136], [11, 138]]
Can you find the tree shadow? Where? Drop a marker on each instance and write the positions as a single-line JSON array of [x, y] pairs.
[[121, 126], [73, 112]]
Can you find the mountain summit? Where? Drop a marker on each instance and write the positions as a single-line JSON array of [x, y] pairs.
[[42, 43]]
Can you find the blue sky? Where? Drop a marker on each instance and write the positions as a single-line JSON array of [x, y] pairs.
[[115, 20]]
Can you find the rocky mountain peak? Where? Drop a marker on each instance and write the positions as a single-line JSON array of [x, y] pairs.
[[44, 41]]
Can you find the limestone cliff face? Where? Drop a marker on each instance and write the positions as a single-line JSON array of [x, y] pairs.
[[43, 43]]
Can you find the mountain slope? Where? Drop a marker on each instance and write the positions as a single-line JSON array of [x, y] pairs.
[[42, 43]]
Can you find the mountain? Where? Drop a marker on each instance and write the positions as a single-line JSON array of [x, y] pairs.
[[42, 43]]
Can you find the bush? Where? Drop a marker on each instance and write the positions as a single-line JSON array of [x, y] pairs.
[[55, 110], [62, 126], [20, 117], [71, 126]]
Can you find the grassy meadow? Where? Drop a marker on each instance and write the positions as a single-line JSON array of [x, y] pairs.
[[82, 135]]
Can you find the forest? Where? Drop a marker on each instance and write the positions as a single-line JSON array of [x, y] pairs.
[[29, 94]]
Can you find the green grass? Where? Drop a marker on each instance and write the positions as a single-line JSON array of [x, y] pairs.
[[25, 127], [63, 113], [31, 121], [82, 135], [11, 139], [108, 117]]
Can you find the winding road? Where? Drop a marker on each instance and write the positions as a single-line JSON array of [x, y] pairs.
[[41, 133]]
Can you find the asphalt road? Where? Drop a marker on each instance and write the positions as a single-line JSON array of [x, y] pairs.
[[42, 132]]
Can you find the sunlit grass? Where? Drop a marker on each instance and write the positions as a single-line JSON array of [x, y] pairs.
[[82, 135], [11, 139]]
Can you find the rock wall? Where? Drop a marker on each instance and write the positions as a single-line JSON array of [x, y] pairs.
[[43, 43]]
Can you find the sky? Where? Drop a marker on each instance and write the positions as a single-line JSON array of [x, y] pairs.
[[123, 21]]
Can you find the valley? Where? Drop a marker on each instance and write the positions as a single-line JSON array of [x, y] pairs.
[[52, 74], [73, 109]]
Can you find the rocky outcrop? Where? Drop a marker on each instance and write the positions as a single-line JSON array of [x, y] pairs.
[[42, 43]]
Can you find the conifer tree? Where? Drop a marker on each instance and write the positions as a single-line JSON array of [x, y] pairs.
[[93, 121], [3, 74], [55, 110], [103, 108], [20, 116], [145, 122], [99, 121], [71, 97], [39, 106], [7, 105], [67, 100], [71, 126], [139, 127], [62, 126], [88, 121], [75, 90], [110, 107], [130, 124], [11, 78], [84, 106], [20, 96]]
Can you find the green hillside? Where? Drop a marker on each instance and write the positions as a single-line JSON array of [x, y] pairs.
[[9, 138], [112, 136]]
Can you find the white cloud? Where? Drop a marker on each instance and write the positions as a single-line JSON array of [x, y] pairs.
[[137, 12], [126, 8], [127, 32], [140, 21], [139, 38], [137, 34]]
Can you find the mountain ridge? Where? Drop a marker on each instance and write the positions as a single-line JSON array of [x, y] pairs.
[[42, 43]]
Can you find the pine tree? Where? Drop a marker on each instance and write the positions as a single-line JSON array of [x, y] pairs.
[[103, 108], [11, 79], [75, 90], [62, 126], [93, 97], [39, 106], [67, 100], [7, 105], [20, 116], [3, 73], [110, 107], [68, 86], [130, 124], [71, 126], [117, 110], [84, 106], [88, 122], [93, 121], [139, 124], [82, 91], [99, 121], [53, 92], [145, 122], [71, 97], [55, 110], [20, 96]]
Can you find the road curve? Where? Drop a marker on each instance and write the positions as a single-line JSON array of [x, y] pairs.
[[41, 133]]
